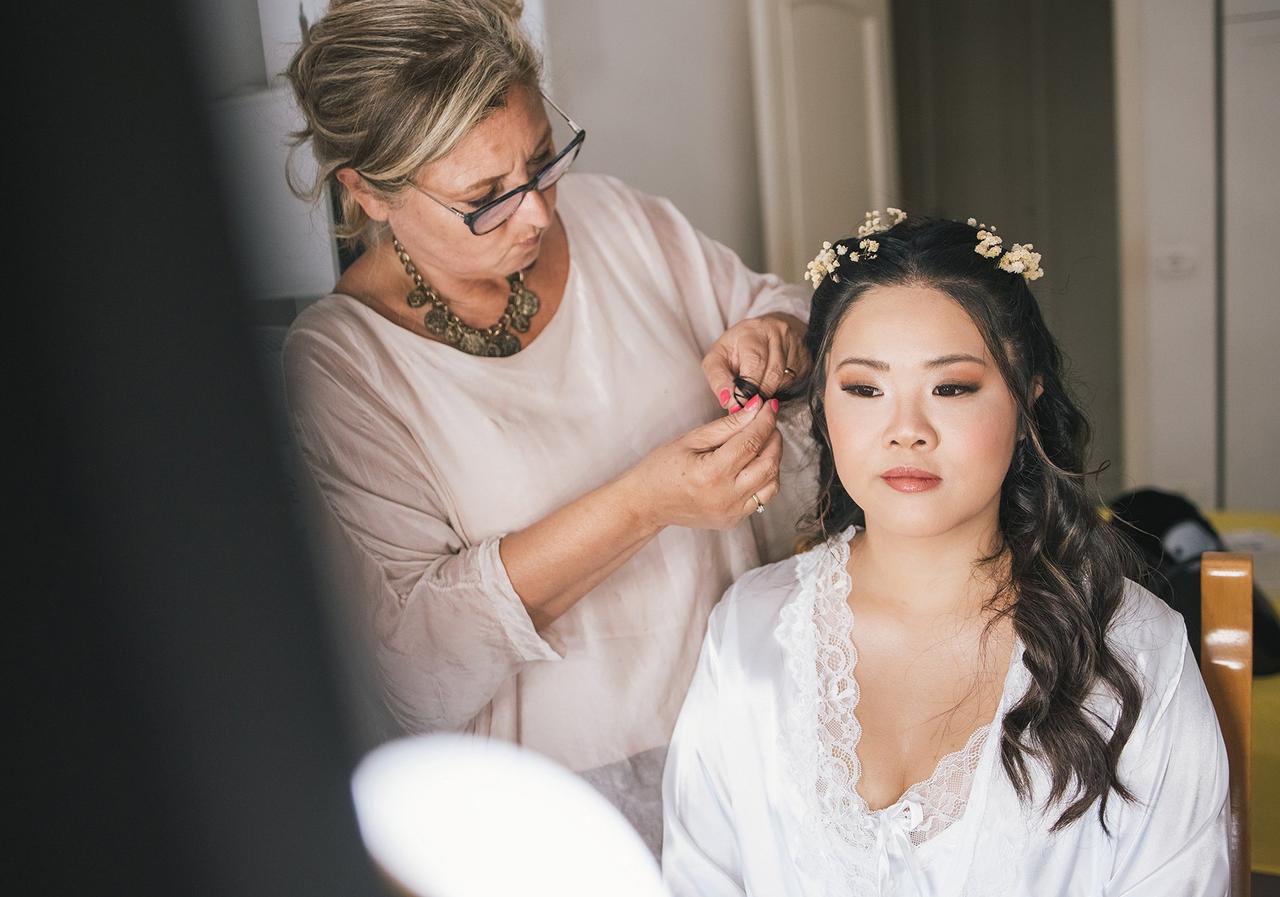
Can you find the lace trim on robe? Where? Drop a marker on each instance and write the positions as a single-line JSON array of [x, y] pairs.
[[840, 840]]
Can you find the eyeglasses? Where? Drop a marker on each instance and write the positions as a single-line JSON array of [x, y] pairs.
[[493, 213]]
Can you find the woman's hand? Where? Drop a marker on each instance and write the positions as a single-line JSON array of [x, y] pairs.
[[708, 478], [768, 350], [712, 477]]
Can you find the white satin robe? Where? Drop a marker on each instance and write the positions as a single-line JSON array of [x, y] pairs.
[[745, 814]]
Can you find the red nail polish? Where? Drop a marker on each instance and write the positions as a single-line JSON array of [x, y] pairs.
[[755, 400], [724, 397], [773, 403], [735, 408]]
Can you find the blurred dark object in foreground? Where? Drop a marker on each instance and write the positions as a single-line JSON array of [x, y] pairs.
[[1171, 534], [174, 714]]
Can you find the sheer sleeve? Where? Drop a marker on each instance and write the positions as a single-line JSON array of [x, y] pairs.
[[448, 627], [700, 855], [743, 293], [700, 265], [1172, 841]]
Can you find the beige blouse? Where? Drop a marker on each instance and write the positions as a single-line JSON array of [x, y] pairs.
[[425, 457]]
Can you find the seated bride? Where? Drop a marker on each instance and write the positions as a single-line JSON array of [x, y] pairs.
[[958, 691]]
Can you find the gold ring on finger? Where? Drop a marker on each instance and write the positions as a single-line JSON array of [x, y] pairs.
[[759, 503]]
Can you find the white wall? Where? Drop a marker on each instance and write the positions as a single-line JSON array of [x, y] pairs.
[[825, 127], [1164, 58], [285, 245], [1251, 149], [663, 88], [1178, 390]]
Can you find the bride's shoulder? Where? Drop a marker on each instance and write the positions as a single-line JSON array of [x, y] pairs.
[[1149, 635], [772, 581], [756, 598]]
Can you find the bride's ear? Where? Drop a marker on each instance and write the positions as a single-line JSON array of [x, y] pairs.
[[374, 205]]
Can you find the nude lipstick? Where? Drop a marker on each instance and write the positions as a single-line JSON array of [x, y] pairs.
[[911, 479]]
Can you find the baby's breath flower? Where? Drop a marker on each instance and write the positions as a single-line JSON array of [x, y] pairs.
[[1021, 260], [873, 223], [870, 225], [824, 263], [988, 244], [829, 257]]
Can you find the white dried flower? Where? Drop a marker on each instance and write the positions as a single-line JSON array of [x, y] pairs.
[[873, 223], [988, 244], [1020, 259], [828, 258], [824, 263]]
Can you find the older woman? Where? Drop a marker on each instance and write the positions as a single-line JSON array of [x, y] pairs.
[[504, 402]]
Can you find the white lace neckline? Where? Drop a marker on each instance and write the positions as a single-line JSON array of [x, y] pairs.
[[841, 840]]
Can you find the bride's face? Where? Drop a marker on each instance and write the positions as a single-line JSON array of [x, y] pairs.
[[921, 422]]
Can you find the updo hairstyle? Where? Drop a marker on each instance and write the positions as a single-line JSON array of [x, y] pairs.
[[386, 86]]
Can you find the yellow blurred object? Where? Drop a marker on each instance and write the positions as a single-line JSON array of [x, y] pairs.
[[1258, 533], [1264, 805], [1225, 520]]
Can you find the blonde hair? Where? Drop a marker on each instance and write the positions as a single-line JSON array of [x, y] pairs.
[[386, 86]]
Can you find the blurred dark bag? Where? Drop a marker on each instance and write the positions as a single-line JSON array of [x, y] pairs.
[[1171, 534]]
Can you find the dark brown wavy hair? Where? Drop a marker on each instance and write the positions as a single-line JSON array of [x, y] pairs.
[[1066, 566]]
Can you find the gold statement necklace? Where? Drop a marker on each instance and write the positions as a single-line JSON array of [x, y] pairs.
[[495, 341]]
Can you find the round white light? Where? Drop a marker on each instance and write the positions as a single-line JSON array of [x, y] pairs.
[[456, 816]]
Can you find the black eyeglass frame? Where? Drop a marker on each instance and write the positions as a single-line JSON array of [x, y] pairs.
[[470, 218]]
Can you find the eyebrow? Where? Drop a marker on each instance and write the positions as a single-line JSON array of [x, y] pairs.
[[943, 361], [497, 178]]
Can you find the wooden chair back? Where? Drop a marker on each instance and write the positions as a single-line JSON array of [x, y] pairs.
[[1226, 663]]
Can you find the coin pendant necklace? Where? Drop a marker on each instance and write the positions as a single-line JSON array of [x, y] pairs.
[[495, 341]]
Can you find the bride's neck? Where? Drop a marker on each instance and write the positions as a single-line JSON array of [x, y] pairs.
[[926, 577]]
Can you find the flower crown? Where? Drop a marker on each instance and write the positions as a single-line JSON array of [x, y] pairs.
[[1018, 259]]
